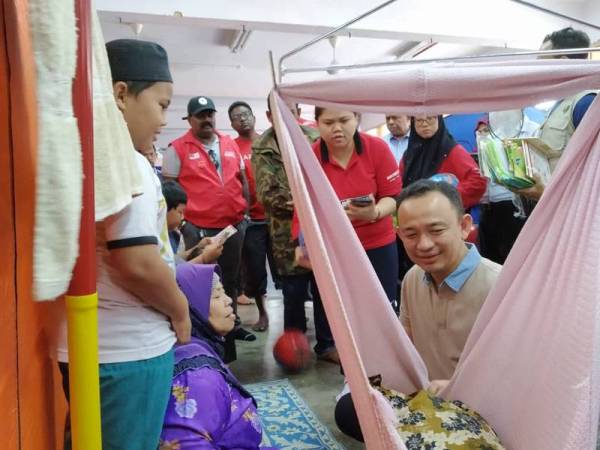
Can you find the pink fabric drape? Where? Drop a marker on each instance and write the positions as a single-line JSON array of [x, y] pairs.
[[535, 345], [531, 364], [343, 271], [449, 87]]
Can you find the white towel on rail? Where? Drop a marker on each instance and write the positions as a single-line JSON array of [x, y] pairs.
[[59, 174], [59, 171]]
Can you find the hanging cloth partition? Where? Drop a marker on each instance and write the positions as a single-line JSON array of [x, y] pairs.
[[431, 88], [530, 365], [352, 297]]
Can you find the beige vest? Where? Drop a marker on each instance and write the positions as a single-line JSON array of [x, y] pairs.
[[558, 127]]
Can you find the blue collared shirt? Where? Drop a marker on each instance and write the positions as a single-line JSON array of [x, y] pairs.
[[461, 274], [581, 108], [397, 145]]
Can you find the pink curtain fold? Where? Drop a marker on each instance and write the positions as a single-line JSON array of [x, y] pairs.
[[343, 271], [449, 87], [531, 363]]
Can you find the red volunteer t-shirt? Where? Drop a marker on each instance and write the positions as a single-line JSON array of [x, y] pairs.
[[471, 185], [374, 171], [257, 212]]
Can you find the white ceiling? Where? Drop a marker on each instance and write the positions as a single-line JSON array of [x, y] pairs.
[[197, 36]]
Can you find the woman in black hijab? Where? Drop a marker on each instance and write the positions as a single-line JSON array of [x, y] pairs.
[[432, 150]]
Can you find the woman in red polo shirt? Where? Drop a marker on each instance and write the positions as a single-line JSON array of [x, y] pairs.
[[360, 165]]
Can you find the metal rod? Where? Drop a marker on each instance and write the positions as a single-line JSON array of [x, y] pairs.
[[556, 13], [450, 59], [329, 33], [273, 74]]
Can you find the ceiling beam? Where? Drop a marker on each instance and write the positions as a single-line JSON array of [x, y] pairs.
[[500, 23]]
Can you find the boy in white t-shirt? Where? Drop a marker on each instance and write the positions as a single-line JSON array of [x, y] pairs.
[[141, 311]]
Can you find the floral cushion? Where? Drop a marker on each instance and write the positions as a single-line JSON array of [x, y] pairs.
[[426, 422]]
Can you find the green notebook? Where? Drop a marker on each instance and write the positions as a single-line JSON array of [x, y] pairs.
[[504, 162]]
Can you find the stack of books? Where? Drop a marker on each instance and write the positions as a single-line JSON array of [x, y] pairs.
[[512, 162]]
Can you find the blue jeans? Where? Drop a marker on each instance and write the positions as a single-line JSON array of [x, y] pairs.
[[295, 292]]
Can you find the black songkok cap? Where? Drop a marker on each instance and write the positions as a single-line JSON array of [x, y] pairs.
[[134, 60]]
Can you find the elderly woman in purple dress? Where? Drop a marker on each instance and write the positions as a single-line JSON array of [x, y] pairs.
[[208, 407]]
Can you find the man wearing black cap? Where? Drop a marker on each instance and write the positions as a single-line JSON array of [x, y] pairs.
[[209, 167]]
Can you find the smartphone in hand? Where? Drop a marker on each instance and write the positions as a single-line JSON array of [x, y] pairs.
[[225, 234], [363, 200]]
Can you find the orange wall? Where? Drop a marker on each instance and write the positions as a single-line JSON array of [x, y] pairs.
[[33, 407]]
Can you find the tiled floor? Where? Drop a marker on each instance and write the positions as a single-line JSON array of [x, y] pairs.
[[318, 384]]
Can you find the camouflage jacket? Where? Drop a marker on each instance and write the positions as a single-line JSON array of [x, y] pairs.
[[273, 191]]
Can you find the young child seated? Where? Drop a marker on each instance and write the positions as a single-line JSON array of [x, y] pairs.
[[208, 408], [207, 250]]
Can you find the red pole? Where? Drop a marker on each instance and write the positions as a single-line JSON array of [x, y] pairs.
[[84, 274], [82, 299]]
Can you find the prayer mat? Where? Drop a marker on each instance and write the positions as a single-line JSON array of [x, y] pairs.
[[288, 422]]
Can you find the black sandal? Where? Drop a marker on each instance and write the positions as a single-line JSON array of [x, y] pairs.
[[241, 334]]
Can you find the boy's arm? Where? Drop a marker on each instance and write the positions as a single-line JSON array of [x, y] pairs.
[[132, 240], [144, 273], [209, 251]]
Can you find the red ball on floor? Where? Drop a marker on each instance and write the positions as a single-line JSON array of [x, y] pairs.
[[292, 351]]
